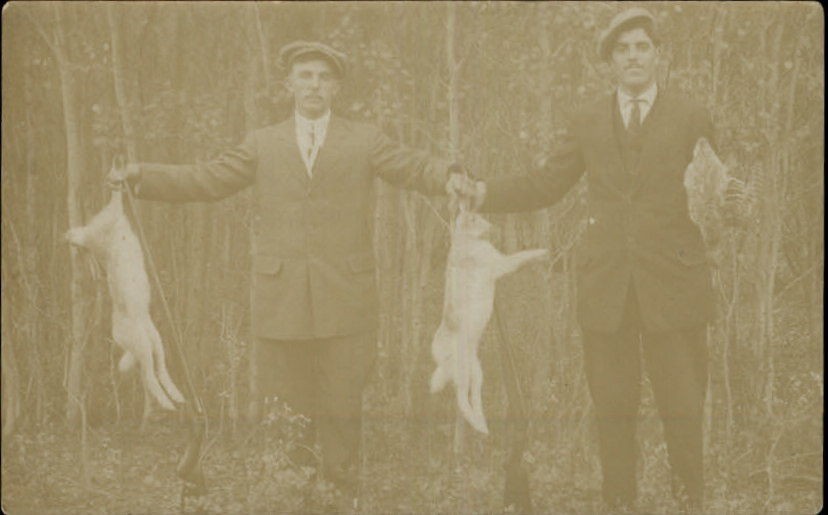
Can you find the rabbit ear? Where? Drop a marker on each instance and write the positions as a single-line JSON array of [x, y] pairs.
[[118, 161]]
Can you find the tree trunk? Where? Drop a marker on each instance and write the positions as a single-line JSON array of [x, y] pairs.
[[547, 336], [454, 152], [122, 100], [31, 254], [252, 119], [74, 172], [120, 84]]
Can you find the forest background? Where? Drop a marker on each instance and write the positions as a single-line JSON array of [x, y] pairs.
[[488, 83]]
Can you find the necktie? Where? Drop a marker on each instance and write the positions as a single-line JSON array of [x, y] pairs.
[[311, 142], [634, 123]]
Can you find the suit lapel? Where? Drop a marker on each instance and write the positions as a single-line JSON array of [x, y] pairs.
[[608, 126], [649, 139], [285, 138], [609, 140], [330, 150]]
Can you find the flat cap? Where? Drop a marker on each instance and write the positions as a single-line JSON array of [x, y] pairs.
[[292, 51], [618, 24]]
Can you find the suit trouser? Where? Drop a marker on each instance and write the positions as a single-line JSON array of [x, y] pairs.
[[323, 379], [676, 363]]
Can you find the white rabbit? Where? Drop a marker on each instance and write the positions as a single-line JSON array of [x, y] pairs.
[[111, 239], [473, 267]]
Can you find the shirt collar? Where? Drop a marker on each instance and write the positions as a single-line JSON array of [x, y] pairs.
[[648, 96], [322, 121]]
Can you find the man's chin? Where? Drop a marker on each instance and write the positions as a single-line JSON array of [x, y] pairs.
[[635, 84], [314, 110], [315, 102]]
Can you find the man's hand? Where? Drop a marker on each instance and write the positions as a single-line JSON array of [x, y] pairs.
[[117, 176], [460, 187]]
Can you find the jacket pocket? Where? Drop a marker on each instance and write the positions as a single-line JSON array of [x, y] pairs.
[[363, 262], [269, 265], [694, 257]]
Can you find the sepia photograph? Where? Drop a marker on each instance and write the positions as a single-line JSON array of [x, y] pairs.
[[410, 257]]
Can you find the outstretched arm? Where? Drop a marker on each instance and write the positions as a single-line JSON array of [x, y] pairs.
[[407, 168], [228, 173], [547, 182]]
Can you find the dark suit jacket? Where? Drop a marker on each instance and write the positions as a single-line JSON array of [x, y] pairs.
[[639, 230], [313, 260]]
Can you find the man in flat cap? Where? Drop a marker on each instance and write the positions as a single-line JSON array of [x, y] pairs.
[[643, 278], [314, 299]]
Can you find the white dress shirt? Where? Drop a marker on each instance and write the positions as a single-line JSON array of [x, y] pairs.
[[645, 102], [310, 135]]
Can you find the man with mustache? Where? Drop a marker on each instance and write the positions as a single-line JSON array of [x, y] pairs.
[[314, 299], [643, 279]]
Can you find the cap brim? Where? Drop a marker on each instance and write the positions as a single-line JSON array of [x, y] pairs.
[[334, 61], [293, 51], [609, 35]]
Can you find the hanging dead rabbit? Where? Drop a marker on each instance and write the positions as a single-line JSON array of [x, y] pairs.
[[473, 267], [110, 238], [708, 184]]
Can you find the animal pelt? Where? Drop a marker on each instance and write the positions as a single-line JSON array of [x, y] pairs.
[[110, 238], [473, 267], [706, 182]]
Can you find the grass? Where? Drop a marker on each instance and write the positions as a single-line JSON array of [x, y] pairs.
[[408, 468]]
